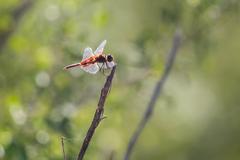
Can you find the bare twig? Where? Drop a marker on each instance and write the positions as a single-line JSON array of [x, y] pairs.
[[157, 91], [98, 116], [63, 150], [16, 16], [111, 156]]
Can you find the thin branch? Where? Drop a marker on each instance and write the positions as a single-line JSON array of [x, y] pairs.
[[63, 150], [156, 93], [112, 155], [16, 16], [98, 116]]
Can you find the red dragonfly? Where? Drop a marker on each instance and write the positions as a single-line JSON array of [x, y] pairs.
[[93, 62]]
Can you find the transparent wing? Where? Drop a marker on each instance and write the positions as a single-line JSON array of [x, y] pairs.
[[92, 68], [107, 65], [87, 53], [100, 48]]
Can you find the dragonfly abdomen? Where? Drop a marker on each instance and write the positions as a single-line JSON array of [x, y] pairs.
[[88, 61]]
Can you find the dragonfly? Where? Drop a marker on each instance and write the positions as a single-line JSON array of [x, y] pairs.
[[92, 62]]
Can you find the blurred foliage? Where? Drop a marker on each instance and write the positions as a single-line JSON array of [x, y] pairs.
[[197, 117]]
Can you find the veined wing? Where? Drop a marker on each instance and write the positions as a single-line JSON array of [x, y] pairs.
[[107, 65], [100, 48], [87, 53], [92, 68]]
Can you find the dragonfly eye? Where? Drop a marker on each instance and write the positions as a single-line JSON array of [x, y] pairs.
[[109, 58]]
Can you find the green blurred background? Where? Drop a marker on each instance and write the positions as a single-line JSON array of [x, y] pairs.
[[197, 117]]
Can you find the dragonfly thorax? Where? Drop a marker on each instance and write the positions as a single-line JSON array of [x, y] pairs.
[[101, 59]]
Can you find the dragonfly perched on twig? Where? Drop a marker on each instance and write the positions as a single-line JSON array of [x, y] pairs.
[[94, 62]]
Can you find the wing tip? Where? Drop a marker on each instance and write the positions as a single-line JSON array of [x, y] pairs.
[[104, 42], [87, 49]]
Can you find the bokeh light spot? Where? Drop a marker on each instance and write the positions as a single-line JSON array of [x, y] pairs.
[[68, 110], [42, 137], [2, 151], [52, 12], [18, 114], [42, 79], [193, 3]]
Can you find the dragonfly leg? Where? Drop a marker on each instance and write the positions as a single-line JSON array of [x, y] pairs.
[[103, 69], [99, 67]]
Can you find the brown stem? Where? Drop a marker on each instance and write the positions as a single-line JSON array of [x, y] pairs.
[[63, 149], [156, 93], [98, 116]]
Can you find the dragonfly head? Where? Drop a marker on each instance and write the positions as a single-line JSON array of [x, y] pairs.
[[109, 58]]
